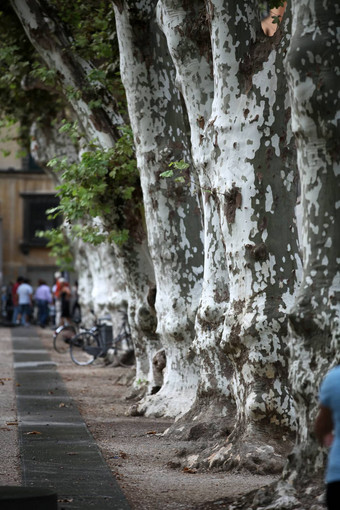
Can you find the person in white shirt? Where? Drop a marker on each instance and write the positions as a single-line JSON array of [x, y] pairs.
[[24, 292]]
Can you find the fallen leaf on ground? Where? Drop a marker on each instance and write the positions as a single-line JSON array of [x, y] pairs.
[[32, 433], [151, 432], [189, 470]]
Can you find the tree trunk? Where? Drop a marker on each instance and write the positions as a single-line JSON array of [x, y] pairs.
[[187, 33], [253, 173], [172, 213], [54, 46], [313, 64], [243, 154], [50, 39]]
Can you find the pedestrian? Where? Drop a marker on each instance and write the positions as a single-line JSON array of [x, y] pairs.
[[56, 295], [15, 299], [9, 303], [327, 430], [3, 301], [65, 298], [51, 314], [75, 306], [24, 292], [42, 297]]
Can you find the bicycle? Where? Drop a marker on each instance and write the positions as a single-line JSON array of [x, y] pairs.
[[98, 342], [63, 335]]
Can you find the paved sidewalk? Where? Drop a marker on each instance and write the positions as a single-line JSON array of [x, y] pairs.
[[57, 450]]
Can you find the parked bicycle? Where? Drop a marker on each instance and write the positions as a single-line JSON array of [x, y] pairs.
[[98, 342], [63, 335]]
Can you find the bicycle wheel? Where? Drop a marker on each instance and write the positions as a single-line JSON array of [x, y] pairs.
[[62, 338], [123, 350], [84, 348]]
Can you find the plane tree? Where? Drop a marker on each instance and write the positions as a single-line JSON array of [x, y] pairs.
[[235, 134]]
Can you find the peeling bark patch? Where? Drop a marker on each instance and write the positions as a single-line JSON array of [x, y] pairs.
[[100, 121], [253, 60], [264, 223], [201, 122], [119, 5], [222, 296], [154, 204], [198, 30], [258, 252], [234, 338], [233, 201]]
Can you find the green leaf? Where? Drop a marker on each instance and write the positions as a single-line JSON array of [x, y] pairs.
[[167, 173], [179, 165]]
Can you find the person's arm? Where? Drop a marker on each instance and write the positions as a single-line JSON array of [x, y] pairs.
[[323, 426]]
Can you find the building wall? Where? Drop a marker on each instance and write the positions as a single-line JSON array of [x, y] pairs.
[[21, 178], [34, 262]]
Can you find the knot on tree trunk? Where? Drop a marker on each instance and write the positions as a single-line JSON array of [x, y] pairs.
[[257, 252], [233, 201]]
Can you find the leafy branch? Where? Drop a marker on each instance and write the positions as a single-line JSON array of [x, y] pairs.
[[180, 168], [59, 247], [103, 184]]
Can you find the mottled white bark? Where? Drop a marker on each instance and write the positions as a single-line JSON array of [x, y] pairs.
[[241, 147], [109, 282], [237, 109], [54, 46], [252, 168], [187, 32], [172, 213], [313, 68]]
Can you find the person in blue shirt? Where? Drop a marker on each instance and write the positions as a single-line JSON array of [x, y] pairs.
[[327, 430]]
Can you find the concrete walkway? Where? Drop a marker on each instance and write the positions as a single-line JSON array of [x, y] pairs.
[[57, 450]]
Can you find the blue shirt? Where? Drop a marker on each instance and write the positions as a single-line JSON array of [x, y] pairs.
[[43, 292], [330, 397]]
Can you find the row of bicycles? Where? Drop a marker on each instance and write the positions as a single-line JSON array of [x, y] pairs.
[[86, 345]]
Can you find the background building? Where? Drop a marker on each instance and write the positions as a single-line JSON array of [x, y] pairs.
[[26, 191]]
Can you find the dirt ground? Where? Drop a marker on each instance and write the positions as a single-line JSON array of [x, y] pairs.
[[135, 448]]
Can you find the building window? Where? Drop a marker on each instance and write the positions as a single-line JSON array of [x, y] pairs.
[[35, 207]]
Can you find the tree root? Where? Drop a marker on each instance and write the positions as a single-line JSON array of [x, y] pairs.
[[279, 495]]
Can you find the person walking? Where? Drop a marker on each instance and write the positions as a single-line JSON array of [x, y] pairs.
[[24, 292], [327, 431], [42, 297], [75, 306], [56, 295], [15, 299], [65, 298]]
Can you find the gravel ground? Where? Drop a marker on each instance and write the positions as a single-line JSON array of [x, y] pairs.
[[10, 463], [135, 448]]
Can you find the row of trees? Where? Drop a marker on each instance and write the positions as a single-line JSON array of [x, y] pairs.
[[223, 239]]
